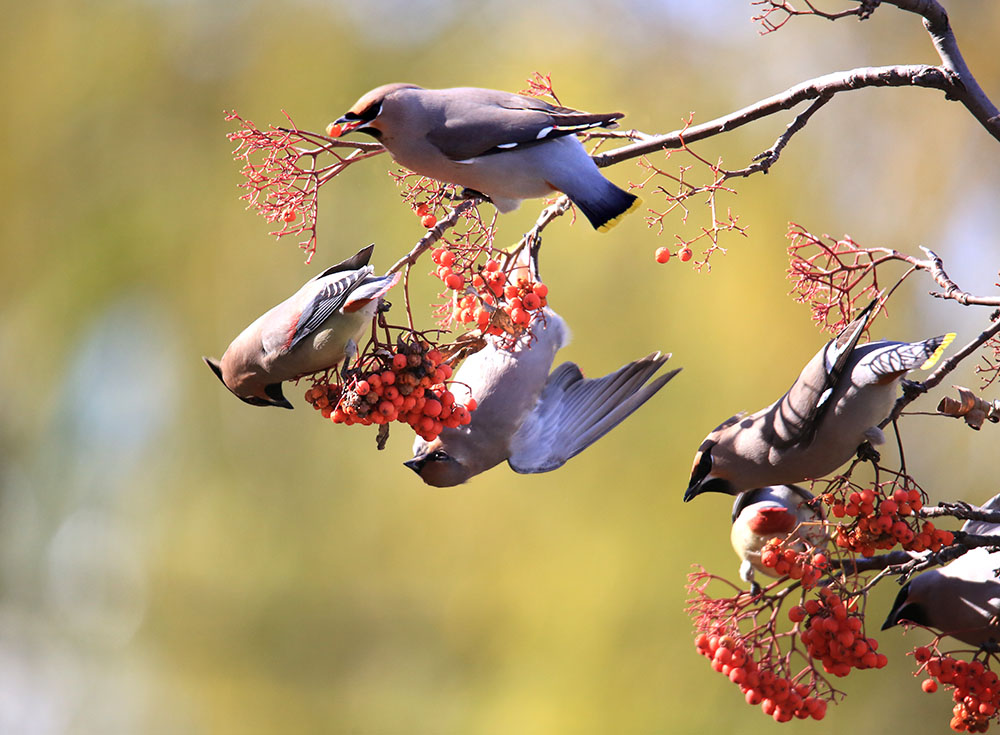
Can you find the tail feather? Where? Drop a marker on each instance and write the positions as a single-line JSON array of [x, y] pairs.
[[605, 207], [941, 345]]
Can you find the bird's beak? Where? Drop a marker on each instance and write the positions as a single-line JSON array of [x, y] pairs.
[[692, 492], [348, 124], [416, 464], [709, 485], [275, 397]]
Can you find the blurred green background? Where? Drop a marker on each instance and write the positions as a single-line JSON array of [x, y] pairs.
[[174, 561]]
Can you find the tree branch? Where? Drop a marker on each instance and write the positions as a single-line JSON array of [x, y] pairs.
[[918, 75], [935, 265], [965, 89], [433, 235]]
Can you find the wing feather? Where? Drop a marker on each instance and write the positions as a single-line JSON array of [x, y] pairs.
[[573, 412]]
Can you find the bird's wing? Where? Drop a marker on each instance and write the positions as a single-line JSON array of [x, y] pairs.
[[574, 412], [330, 297], [898, 358], [358, 260], [838, 354], [802, 408], [482, 122]]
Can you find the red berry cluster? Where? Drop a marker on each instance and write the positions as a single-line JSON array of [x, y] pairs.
[[804, 565], [427, 219], [777, 695], [976, 688], [408, 387], [883, 522], [663, 254], [833, 635], [521, 299]]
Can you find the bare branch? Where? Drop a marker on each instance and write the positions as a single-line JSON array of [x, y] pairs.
[[433, 235], [965, 87], [951, 289], [918, 75], [764, 161]]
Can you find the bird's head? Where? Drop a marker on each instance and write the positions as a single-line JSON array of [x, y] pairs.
[[246, 385], [436, 466], [365, 115], [772, 519], [705, 477], [905, 609]]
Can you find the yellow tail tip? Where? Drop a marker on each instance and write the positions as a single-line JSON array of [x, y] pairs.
[[945, 341], [615, 220]]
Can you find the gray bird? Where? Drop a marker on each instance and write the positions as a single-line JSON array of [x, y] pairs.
[[505, 146], [776, 511], [961, 599], [316, 329], [835, 404], [534, 420]]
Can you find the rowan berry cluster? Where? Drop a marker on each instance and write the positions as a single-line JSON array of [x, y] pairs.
[[804, 565], [662, 254], [520, 298], [882, 522], [976, 688], [778, 696], [408, 386], [833, 635]]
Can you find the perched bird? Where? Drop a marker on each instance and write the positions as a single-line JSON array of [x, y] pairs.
[[313, 330], [777, 511], [534, 420], [835, 404], [505, 146], [961, 599]]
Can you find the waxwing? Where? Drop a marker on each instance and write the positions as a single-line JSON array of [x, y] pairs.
[[316, 329], [834, 405], [505, 146], [534, 420], [961, 599], [778, 511]]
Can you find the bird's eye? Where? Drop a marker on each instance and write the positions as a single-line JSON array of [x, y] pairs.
[[438, 456]]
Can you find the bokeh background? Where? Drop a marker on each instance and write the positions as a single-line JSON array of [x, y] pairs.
[[174, 561]]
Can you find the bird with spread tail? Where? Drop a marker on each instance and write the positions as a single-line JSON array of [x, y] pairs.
[[534, 420], [315, 329], [507, 147], [837, 402]]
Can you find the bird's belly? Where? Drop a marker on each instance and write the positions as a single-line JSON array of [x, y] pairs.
[[509, 175], [325, 348]]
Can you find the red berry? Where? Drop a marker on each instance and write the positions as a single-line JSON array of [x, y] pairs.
[[454, 281], [422, 209], [662, 255], [334, 131], [684, 254], [289, 215], [929, 685], [428, 221]]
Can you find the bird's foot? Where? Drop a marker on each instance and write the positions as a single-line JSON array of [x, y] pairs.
[[912, 389], [468, 193], [868, 453], [990, 646]]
